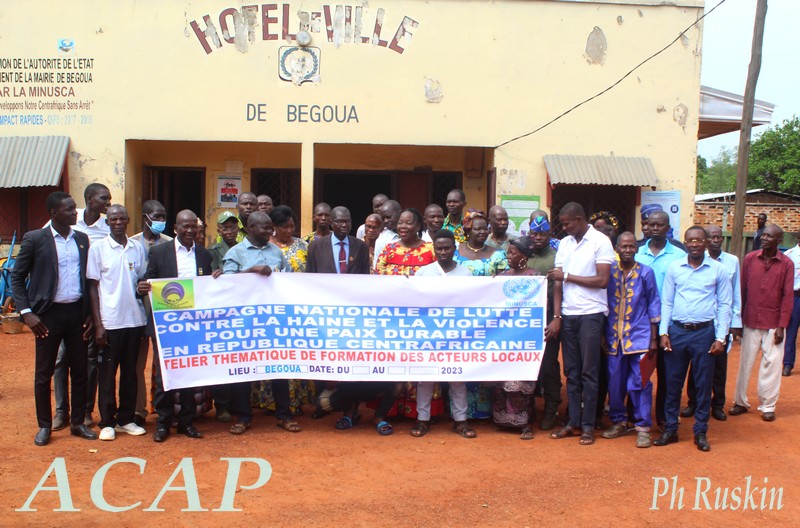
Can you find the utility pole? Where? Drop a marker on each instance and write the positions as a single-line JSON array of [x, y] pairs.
[[747, 125]]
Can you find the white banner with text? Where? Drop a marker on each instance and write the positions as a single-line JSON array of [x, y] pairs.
[[247, 327]]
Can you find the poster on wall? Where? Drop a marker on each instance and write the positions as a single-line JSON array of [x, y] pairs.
[[519, 208], [228, 189], [668, 201]]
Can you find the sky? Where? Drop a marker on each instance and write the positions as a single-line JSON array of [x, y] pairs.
[[727, 39]]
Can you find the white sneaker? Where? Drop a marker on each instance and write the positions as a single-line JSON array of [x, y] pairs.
[[107, 433], [131, 429]]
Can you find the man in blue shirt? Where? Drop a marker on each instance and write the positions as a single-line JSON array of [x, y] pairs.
[[731, 264], [658, 253], [695, 317], [255, 254]]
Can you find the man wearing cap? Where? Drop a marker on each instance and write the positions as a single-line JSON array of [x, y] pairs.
[[541, 261], [245, 205], [227, 229], [227, 235]]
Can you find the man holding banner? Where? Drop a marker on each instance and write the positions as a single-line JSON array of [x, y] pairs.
[[182, 258], [255, 254]]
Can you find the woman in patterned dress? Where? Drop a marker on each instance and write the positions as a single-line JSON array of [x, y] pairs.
[[483, 261], [295, 250], [512, 401], [405, 257]]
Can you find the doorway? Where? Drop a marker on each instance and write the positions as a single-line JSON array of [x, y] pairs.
[[177, 188], [355, 189]]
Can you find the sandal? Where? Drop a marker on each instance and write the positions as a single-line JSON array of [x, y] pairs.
[[384, 428], [527, 434], [347, 422], [240, 428], [420, 429], [289, 425], [587, 438], [563, 433], [464, 429]]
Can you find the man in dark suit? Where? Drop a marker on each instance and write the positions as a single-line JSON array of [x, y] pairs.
[[338, 252], [55, 307], [179, 259]]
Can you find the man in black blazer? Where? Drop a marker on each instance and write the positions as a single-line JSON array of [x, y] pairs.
[[338, 252], [55, 306], [177, 259]]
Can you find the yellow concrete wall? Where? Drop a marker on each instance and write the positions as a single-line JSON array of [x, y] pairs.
[[504, 67]]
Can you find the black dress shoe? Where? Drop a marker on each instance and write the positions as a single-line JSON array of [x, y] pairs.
[[83, 431], [737, 410], [687, 411], [666, 438], [719, 414], [190, 431], [42, 437], [787, 371], [161, 434], [701, 442]]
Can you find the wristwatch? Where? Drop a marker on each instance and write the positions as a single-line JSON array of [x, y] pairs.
[[566, 276], [721, 341]]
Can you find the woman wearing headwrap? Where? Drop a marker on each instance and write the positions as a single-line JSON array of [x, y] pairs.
[[512, 401], [481, 260]]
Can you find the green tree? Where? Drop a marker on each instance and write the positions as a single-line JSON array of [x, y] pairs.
[[720, 176], [702, 171], [775, 158]]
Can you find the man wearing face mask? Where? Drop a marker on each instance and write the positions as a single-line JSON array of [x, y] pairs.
[[154, 221]]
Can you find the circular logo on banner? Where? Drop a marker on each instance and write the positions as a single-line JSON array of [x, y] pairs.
[[172, 293], [521, 289]]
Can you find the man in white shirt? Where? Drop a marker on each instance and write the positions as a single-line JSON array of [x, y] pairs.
[[583, 267], [390, 211], [377, 202], [115, 265], [444, 246]]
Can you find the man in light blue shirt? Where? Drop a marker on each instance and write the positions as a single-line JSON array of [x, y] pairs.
[[790, 344], [658, 253], [255, 254], [696, 302], [731, 265]]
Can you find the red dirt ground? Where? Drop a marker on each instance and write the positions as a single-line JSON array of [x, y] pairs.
[[356, 478]]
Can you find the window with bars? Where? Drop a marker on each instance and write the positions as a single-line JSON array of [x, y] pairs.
[[617, 200]]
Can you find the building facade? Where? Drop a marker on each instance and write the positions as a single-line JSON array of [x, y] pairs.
[[192, 102]]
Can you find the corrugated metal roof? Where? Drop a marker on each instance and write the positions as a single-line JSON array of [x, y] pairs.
[[35, 161], [600, 170]]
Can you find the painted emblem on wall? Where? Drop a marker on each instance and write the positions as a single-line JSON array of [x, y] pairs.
[[299, 64]]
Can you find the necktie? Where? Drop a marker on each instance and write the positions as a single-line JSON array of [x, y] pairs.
[[342, 258]]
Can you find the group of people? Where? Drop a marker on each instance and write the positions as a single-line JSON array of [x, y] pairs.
[[617, 307]]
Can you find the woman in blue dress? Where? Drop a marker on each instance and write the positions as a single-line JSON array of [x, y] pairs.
[[483, 261]]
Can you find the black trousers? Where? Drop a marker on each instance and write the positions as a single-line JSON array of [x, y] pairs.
[[164, 401], [239, 400], [121, 353], [717, 383], [550, 376], [350, 393], [64, 322], [661, 388]]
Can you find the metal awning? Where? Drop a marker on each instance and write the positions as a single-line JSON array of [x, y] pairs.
[[32, 161], [600, 170], [721, 112]]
